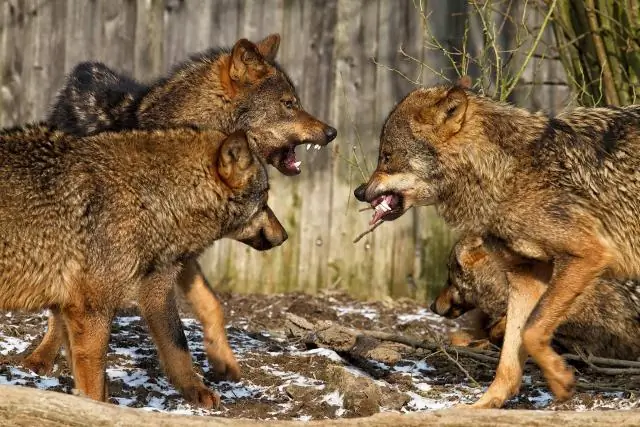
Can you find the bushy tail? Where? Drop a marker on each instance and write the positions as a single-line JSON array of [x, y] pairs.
[[96, 99]]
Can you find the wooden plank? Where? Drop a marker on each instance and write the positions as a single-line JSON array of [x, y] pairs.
[[198, 15], [316, 187], [148, 52], [118, 34], [224, 23], [29, 43], [55, 64], [6, 62], [175, 29], [354, 115], [83, 32]]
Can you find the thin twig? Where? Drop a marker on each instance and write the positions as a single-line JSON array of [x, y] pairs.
[[466, 373], [370, 230]]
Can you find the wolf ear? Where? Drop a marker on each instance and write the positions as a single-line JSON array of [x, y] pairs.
[[451, 110], [235, 160], [469, 252], [247, 64], [465, 82], [268, 47]]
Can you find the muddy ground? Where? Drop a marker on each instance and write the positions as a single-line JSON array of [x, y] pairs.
[[287, 378]]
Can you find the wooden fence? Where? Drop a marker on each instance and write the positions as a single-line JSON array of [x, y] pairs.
[[338, 53]]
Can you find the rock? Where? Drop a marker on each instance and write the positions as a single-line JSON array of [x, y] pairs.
[[361, 396], [302, 393], [394, 400]]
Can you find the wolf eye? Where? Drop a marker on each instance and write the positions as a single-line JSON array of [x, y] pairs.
[[288, 104]]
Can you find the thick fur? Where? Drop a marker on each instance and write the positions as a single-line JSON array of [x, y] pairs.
[[560, 190], [226, 89], [89, 222], [604, 321], [241, 88]]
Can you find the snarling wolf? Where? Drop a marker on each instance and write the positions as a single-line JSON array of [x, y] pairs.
[[562, 191]]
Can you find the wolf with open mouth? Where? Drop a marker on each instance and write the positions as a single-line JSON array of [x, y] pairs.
[[242, 88], [560, 191]]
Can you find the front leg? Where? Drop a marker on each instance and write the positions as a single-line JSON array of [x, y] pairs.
[[158, 307], [572, 275], [87, 335], [41, 359], [209, 311], [526, 285]]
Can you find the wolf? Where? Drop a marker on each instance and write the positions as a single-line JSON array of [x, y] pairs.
[[603, 322], [241, 88], [89, 222], [562, 191]]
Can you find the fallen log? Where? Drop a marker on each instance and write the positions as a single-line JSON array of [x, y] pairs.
[[22, 406]]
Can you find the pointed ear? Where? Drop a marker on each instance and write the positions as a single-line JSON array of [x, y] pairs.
[[268, 47], [465, 82], [470, 251], [236, 163], [452, 109], [247, 63]]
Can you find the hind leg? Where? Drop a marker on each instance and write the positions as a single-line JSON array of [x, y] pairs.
[[88, 337], [209, 311], [573, 274], [159, 308], [41, 359]]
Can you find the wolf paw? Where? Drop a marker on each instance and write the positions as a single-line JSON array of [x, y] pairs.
[[222, 362], [561, 382], [489, 402], [38, 364], [200, 395]]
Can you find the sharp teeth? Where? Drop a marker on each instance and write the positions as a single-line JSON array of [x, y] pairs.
[[385, 205], [318, 147], [378, 208], [298, 163], [308, 146]]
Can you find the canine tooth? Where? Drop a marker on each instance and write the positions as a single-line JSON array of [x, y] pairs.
[[298, 163], [318, 147], [308, 146]]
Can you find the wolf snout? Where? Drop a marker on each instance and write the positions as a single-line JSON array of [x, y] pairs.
[[360, 192], [330, 133]]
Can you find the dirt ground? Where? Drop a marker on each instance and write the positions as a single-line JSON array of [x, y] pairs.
[[287, 378]]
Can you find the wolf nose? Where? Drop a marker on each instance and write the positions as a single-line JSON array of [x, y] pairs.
[[433, 307], [330, 133], [360, 191]]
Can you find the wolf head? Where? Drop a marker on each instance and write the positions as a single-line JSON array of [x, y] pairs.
[[419, 143], [243, 172], [271, 110], [242, 88], [470, 270]]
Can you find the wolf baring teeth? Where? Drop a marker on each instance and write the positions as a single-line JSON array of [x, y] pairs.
[[241, 88], [560, 191]]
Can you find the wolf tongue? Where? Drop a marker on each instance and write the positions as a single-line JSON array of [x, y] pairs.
[[377, 214]]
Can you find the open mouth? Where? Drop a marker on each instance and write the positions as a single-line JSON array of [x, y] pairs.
[[387, 207], [284, 159]]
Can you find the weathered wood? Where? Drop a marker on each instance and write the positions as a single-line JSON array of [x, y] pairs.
[[21, 406], [328, 49]]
